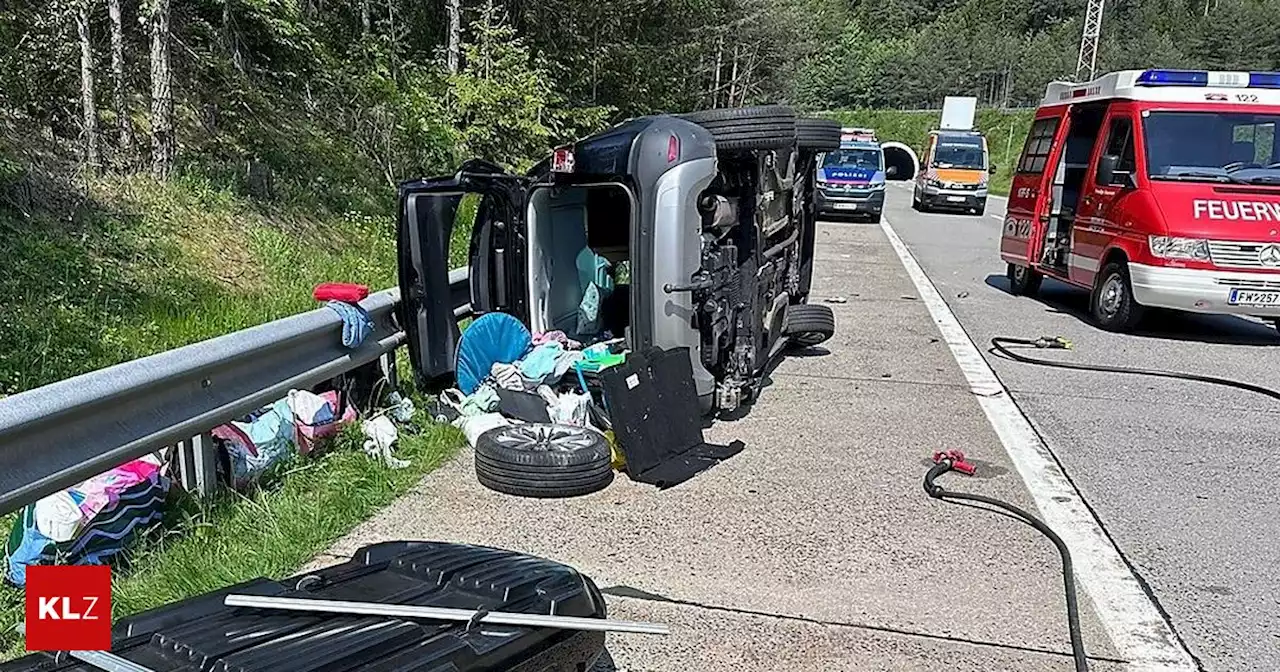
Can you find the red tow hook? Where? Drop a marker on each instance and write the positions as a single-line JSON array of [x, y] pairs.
[[957, 460]]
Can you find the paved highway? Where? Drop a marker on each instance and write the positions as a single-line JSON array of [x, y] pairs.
[[1181, 475]]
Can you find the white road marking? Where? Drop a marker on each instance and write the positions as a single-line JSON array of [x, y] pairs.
[[1131, 619], [995, 216]]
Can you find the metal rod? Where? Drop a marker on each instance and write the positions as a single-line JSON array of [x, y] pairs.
[[445, 614], [103, 660]]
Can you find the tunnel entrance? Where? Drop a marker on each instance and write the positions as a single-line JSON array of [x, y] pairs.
[[901, 157]]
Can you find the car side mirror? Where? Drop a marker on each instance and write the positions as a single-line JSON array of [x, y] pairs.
[[890, 171], [991, 169]]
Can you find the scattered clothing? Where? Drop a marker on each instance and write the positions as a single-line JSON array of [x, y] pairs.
[[556, 336], [88, 523], [315, 417], [506, 376], [253, 447], [564, 364], [483, 400], [356, 323], [589, 310], [521, 405], [493, 338], [474, 425], [340, 291], [402, 408], [382, 435], [599, 357], [540, 363]]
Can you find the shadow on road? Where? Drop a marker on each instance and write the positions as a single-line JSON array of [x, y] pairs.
[[1171, 325]]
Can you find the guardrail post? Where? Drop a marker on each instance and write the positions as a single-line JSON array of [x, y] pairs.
[[387, 365], [198, 465]]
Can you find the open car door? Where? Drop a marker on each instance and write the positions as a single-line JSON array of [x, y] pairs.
[[474, 218]]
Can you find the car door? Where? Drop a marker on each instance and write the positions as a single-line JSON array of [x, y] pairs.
[[1019, 237], [432, 238], [1095, 226]]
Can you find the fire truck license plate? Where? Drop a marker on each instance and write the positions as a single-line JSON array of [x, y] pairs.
[[1249, 297]]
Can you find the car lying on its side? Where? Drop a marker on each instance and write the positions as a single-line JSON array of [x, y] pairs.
[[676, 231]]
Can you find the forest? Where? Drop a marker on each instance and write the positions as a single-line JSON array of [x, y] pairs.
[[174, 169]]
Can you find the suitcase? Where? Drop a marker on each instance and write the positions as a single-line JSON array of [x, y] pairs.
[[203, 634]]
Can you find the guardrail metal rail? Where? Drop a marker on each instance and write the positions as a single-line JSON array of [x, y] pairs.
[[60, 434]]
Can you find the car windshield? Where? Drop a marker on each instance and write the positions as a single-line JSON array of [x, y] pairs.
[[853, 158], [1228, 147], [966, 154]]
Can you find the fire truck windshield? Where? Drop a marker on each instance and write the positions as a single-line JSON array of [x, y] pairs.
[[1228, 147]]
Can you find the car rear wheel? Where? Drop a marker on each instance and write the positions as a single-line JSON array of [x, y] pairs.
[[1023, 280], [1113, 306], [749, 128], [543, 460], [817, 135], [808, 325]]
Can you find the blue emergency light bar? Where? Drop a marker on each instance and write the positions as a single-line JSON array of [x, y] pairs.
[[1253, 80]]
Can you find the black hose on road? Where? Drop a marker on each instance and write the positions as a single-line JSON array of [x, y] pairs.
[[954, 460], [1000, 344]]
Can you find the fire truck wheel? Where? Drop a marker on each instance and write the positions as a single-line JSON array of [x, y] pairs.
[[1023, 280], [1113, 306], [748, 128]]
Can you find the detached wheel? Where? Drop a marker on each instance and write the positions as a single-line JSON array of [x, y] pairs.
[[541, 460], [817, 135], [1113, 306], [1023, 280], [748, 128], [808, 325]]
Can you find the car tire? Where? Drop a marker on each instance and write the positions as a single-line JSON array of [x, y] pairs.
[[1112, 305], [817, 135], [543, 460], [808, 325], [748, 128], [1023, 280]]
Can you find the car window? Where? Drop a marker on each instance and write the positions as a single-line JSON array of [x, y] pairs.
[[1039, 141], [1120, 144]]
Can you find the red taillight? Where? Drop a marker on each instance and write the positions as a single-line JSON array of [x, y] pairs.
[[673, 149], [562, 160]]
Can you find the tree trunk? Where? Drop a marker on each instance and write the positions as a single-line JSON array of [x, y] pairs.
[[733, 78], [715, 91], [90, 109], [162, 140], [124, 127], [455, 33], [230, 37], [364, 17]]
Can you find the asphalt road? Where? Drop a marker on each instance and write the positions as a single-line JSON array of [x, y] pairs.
[[815, 548], [1181, 474]]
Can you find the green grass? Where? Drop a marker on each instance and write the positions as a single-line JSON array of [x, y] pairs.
[[124, 267], [1005, 131], [271, 532]]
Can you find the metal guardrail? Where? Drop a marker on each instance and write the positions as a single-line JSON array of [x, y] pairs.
[[58, 435]]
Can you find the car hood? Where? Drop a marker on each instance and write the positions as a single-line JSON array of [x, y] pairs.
[[850, 175]]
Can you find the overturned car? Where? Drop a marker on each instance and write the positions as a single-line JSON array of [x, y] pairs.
[[673, 231]]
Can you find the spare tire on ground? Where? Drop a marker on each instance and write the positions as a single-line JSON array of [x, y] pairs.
[[817, 135], [543, 460], [748, 128], [808, 325]]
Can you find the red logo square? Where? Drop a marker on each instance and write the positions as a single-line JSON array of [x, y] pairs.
[[69, 608]]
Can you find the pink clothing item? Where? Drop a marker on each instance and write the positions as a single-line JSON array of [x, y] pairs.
[[556, 336], [104, 490]]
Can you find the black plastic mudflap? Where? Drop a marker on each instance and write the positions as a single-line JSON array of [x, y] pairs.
[[203, 634]]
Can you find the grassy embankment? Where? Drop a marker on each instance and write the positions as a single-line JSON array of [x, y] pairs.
[[121, 267], [1005, 131]]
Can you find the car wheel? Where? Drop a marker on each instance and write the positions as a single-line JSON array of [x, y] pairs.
[[817, 135], [809, 325], [748, 128], [543, 460], [1113, 306], [1023, 280]]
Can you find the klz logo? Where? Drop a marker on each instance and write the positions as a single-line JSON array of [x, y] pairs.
[[68, 608]]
